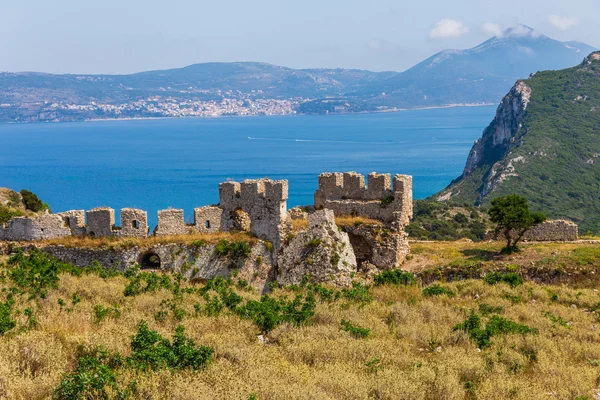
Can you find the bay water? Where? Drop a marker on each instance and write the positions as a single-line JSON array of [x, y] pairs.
[[156, 164]]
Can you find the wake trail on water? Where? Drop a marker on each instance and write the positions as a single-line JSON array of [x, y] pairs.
[[322, 141]]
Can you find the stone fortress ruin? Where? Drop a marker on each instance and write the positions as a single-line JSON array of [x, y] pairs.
[[256, 206], [374, 239]]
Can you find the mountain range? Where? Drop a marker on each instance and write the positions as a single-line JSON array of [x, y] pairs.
[[478, 75], [544, 144]]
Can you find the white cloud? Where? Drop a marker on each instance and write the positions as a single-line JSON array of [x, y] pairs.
[[489, 28], [521, 31], [448, 28], [563, 23]]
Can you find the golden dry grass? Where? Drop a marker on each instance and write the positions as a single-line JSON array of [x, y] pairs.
[[347, 220], [125, 243], [421, 357]]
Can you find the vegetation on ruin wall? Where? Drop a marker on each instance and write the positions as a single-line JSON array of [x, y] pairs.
[[560, 142], [13, 204], [434, 220], [115, 243], [69, 332]]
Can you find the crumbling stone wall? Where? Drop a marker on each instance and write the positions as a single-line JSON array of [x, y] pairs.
[[207, 219], [100, 221], [171, 222], [39, 227], [378, 245], [265, 202], [193, 262], [134, 223], [557, 230], [384, 199], [75, 220]]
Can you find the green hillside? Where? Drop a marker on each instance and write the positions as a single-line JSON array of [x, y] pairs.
[[543, 144]]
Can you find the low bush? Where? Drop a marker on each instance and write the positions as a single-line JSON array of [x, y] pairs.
[[355, 330], [510, 278], [495, 326], [235, 250], [394, 277], [101, 313], [6, 214], [437, 290], [6, 321], [145, 282], [270, 312], [358, 293], [94, 377], [152, 351]]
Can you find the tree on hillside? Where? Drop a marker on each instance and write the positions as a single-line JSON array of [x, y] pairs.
[[32, 202], [512, 218]]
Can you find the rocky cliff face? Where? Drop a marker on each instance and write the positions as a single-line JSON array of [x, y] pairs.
[[497, 138], [492, 149], [543, 144]]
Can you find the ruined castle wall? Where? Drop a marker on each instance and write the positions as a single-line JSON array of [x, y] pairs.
[[263, 200], [134, 223], [381, 247], [171, 222], [385, 200], [207, 219], [75, 220], [193, 262], [558, 230], [100, 221], [46, 226]]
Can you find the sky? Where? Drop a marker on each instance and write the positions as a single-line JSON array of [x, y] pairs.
[[125, 36]]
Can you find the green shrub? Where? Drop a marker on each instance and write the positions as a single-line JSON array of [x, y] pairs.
[[6, 321], [355, 330], [495, 326], [93, 378], [270, 312], [510, 278], [101, 313], [32, 202], [147, 282], [437, 290], [235, 250], [359, 293], [198, 244], [314, 243], [6, 214], [394, 277], [335, 259], [555, 319], [152, 351], [486, 309]]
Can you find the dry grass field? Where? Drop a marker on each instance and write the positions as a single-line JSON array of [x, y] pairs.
[[397, 342]]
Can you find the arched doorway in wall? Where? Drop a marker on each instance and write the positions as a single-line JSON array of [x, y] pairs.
[[149, 260]]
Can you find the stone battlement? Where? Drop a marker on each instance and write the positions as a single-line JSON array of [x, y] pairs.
[[258, 205], [385, 199]]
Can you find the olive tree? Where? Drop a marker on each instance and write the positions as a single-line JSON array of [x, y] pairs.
[[512, 218]]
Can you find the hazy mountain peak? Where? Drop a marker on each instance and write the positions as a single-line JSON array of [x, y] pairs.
[[521, 31]]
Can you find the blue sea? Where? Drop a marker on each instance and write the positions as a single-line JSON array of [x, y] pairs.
[[155, 164]]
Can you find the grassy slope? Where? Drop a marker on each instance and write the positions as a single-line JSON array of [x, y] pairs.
[[559, 183], [421, 357]]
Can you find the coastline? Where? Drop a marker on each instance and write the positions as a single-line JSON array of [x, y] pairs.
[[394, 110]]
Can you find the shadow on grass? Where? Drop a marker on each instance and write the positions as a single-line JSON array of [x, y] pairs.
[[480, 254]]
